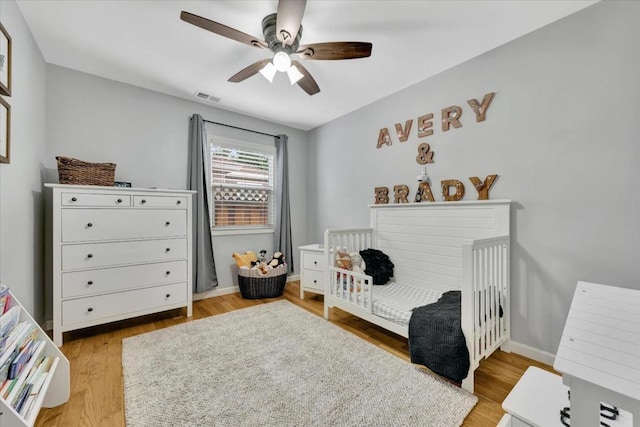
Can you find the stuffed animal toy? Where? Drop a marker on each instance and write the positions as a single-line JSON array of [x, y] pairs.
[[277, 260], [244, 259], [343, 260], [357, 266], [262, 255], [264, 268], [357, 263]]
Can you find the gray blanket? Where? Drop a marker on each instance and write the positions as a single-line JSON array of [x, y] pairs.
[[436, 339]]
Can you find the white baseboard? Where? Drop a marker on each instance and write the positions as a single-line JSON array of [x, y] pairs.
[[533, 353], [216, 293], [293, 278]]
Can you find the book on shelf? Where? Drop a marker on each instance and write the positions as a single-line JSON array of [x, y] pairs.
[[14, 389], [24, 357], [5, 298], [8, 321], [22, 397]]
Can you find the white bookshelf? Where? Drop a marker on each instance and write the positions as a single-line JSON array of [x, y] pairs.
[[56, 388]]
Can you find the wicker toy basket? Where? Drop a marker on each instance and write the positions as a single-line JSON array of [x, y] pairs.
[[74, 171], [254, 285]]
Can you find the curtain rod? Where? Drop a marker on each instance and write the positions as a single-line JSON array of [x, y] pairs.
[[239, 128]]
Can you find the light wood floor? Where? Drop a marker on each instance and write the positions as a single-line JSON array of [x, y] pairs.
[[97, 397]]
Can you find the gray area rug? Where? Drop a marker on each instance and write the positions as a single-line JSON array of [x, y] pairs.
[[277, 365]]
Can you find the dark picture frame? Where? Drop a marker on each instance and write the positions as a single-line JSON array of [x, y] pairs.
[[5, 62], [5, 130]]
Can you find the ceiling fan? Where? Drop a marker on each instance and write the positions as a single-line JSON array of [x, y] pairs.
[[282, 32]]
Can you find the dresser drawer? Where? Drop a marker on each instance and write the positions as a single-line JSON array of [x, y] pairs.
[[104, 307], [313, 279], [86, 199], [104, 280], [93, 255], [313, 261], [160, 201], [84, 225]]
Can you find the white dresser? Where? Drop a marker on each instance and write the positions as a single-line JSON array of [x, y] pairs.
[[312, 275], [118, 253]]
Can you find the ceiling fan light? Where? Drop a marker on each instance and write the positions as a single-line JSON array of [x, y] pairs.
[[281, 61], [269, 71], [294, 74]]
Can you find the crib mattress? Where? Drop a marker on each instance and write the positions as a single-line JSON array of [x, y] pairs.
[[395, 301]]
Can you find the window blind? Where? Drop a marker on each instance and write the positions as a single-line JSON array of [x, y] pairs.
[[242, 187]]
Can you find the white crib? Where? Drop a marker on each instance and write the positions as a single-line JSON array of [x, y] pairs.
[[441, 246]]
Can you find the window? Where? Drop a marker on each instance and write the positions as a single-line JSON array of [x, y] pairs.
[[241, 185]]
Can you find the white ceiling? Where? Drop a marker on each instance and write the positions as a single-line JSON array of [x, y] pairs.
[[144, 43]]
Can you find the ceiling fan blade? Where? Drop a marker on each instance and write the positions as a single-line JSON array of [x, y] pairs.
[[222, 30], [289, 18], [252, 69], [335, 50], [307, 83]]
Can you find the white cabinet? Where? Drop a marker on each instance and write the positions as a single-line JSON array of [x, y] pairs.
[[537, 399], [312, 275], [54, 390], [118, 253]]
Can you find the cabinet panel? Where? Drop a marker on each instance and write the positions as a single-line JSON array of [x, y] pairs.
[[97, 308], [90, 199], [159, 201], [104, 280], [82, 225], [313, 261], [313, 279], [93, 255]]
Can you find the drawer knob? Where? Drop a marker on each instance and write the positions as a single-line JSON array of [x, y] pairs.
[[74, 199], [315, 262], [119, 201], [167, 223], [168, 273], [143, 201], [178, 202], [168, 295], [90, 309], [89, 255], [90, 282], [315, 281], [168, 250], [89, 224]]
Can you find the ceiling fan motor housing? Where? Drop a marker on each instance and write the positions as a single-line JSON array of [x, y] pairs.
[[270, 36]]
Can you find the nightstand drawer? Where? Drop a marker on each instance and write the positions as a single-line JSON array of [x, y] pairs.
[[87, 199], [313, 279], [313, 261]]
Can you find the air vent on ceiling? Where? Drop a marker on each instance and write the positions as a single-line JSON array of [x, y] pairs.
[[206, 97]]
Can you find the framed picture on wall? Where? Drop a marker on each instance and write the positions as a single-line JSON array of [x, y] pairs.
[[5, 62], [5, 121]]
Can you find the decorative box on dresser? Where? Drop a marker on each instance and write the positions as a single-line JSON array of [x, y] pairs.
[[312, 274], [118, 253]]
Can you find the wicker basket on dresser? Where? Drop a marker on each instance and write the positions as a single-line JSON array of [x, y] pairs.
[[118, 253]]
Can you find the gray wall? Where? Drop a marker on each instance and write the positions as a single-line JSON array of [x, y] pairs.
[[145, 133], [563, 135], [21, 203]]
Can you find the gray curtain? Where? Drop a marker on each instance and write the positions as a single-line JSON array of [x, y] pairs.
[[204, 269], [282, 214]]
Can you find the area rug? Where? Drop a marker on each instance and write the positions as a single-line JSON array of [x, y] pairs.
[[277, 365]]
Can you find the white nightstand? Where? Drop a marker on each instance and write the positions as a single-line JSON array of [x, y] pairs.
[[538, 397], [312, 275]]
